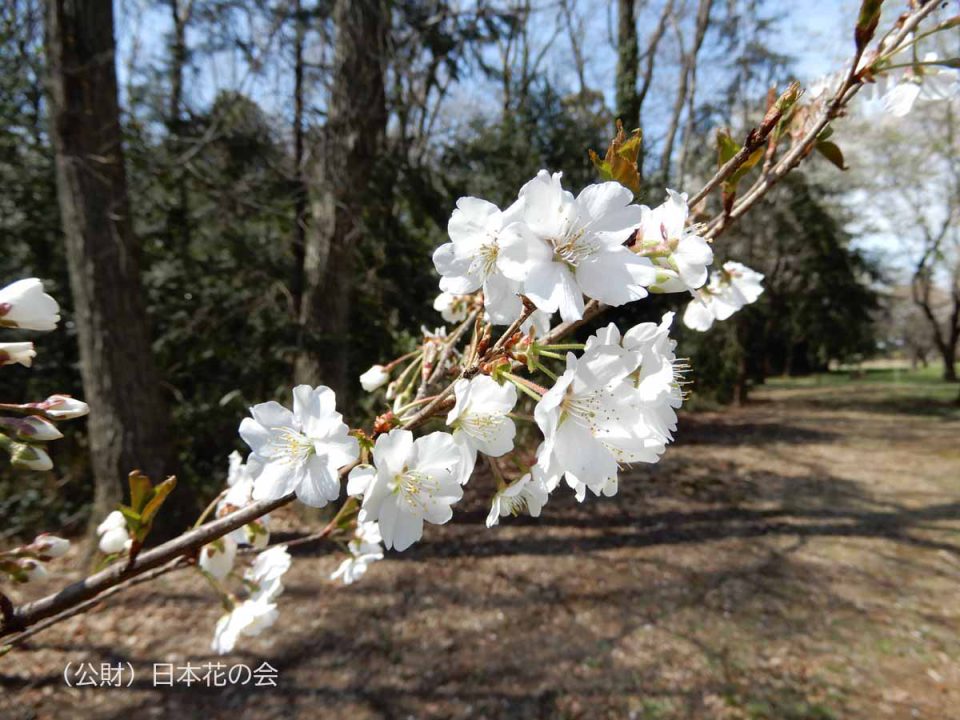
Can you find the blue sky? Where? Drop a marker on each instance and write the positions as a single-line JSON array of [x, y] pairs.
[[817, 33]]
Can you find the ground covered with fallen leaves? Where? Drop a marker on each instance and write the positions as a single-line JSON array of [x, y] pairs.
[[797, 558]]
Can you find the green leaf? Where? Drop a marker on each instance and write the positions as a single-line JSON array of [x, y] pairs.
[[749, 163], [140, 490], [867, 22], [160, 493], [602, 166], [132, 516], [727, 147], [832, 153], [620, 162]]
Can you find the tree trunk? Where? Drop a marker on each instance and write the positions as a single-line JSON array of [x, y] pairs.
[[628, 57], [178, 216], [949, 352], [741, 385], [299, 181], [353, 137], [128, 417]]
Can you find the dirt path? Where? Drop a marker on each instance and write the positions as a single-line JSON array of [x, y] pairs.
[[796, 559]]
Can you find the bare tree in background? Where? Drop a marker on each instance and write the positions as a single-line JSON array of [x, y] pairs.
[[128, 415], [352, 137], [629, 96], [178, 217], [687, 80], [301, 189], [913, 174]]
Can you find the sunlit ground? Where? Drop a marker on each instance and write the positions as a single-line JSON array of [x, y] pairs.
[[798, 558]]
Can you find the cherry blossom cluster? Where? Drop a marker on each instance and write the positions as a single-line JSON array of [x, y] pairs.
[[554, 248], [608, 402], [533, 411], [25, 306], [251, 609], [902, 76]]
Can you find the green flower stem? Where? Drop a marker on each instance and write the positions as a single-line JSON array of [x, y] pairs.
[[546, 371], [209, 509], [563, 346], [525, 386], [553, 355], [393, 363]]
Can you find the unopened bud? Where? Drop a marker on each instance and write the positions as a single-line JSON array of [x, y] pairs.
[[37, 429], [64, 407], [17, 352], [23, 304], [28, 457], [374, 378], [50, 546], [33, 569]]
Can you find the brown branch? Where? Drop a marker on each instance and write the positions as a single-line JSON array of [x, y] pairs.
[[757, 137], [36, 627], [185, 545]]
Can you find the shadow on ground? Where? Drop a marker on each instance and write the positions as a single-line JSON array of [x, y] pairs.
[[773, 565]]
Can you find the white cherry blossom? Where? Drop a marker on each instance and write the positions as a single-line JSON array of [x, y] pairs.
[[266, 573], [471, 260], [364, 549], [452, 308], [301, 451], [479, 419], [410, 481], [241, 480], [658, 379], [250, 618], [259, 612], [596, 418], [217, 558], [728, 291], [564, 247], [681, 256], [928, 83], [529, 494], [24, 304]]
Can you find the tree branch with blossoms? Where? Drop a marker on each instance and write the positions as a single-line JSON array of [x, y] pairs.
[[598, 405]]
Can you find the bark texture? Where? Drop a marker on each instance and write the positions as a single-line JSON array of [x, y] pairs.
[[128, 416], [628, 59], [352, 139]]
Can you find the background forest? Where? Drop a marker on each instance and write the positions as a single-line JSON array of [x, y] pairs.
[[290, 167]]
